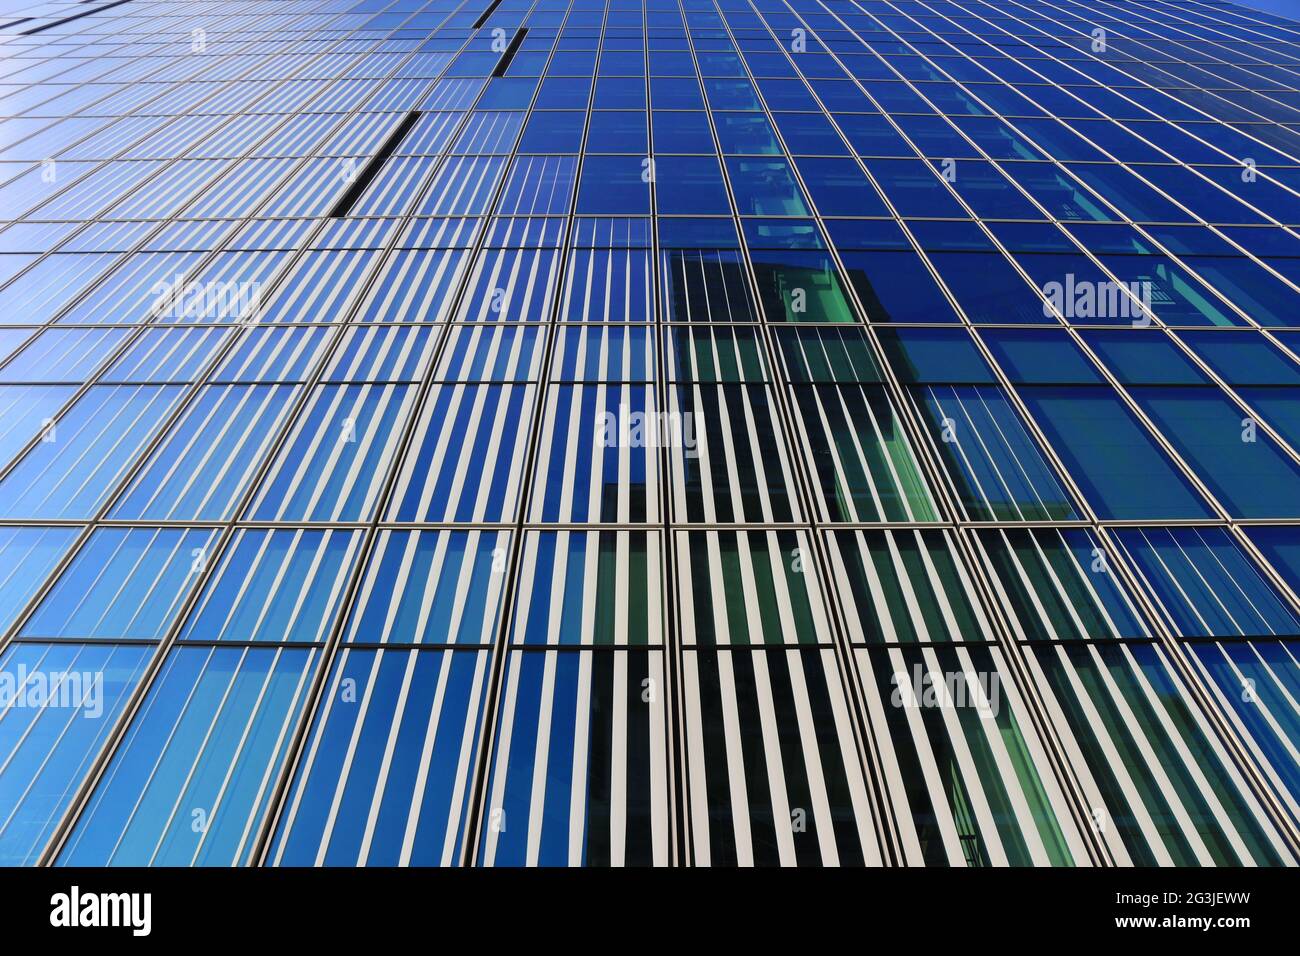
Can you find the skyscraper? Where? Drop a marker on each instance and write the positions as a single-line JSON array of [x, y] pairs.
[[676, 432]]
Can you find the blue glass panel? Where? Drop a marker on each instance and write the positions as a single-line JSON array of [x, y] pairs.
[[1242, 466], [27, 556], [79, 461], [1120, 469], [1000, 471], [574, 711], [189, 783], [1206, 584], [449, 589], [382, 779], [336, 457], [26, 412], [1244, 358], [58, 704], [282, 585], [765, 187], [1260, 682], [200, 471], [123, 583]]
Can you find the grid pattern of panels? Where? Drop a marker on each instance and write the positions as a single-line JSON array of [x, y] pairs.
[[673, 432]]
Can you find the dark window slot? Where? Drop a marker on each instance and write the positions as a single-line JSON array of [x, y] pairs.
[[371, 170], [504, 63], [491, 9], [76, 16]]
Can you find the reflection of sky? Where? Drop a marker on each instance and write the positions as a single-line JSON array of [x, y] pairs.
[[1285, 8]]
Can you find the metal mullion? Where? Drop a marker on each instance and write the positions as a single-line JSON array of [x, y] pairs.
[[1118, 523], [680, 848]]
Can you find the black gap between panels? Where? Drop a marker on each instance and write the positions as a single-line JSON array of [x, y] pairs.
[[504, 63], [371, 169], [482, 17]]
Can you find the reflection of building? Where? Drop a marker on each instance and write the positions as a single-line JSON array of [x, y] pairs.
[[363, 574]]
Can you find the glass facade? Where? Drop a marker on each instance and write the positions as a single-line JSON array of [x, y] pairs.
[[649, 432]]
